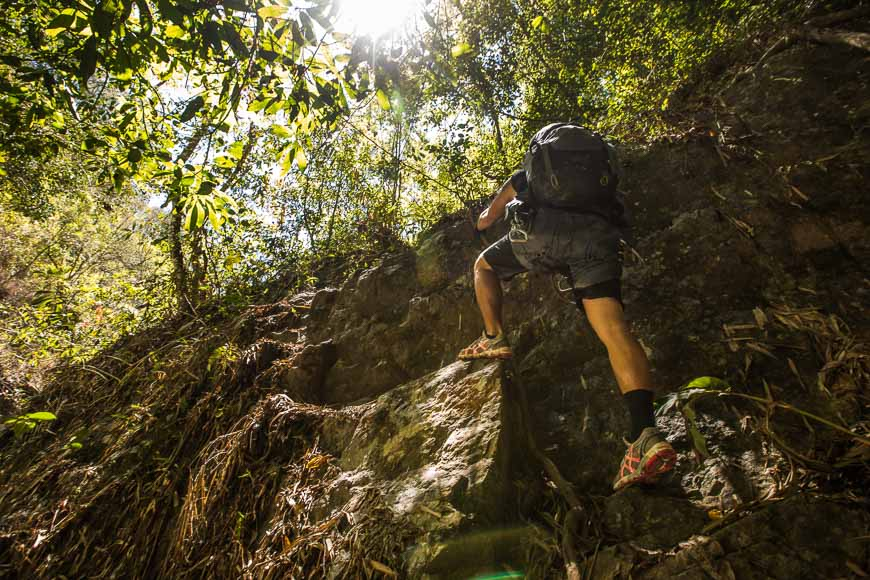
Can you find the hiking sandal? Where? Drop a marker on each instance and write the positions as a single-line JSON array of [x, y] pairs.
[[485, 347]]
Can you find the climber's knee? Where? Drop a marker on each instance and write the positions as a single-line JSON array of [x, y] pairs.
[[481, 264]]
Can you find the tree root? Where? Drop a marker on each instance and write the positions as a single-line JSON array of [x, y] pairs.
[[576, 523], [833, 36], [815, 30]]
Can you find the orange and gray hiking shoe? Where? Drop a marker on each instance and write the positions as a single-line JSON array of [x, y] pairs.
[[646, 459], [485, 347]]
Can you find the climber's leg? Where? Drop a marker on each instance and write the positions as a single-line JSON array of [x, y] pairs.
[[487, 289], [494, 264], [649, 455], [627, 357], [493, 343]]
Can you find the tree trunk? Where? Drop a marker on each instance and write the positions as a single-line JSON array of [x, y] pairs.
[[499, 143], [198, 267], [179, 274], [179, 271]]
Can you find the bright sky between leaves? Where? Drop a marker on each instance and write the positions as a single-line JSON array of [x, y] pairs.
[[376, 17]]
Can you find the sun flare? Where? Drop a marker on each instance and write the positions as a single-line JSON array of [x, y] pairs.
[[375, 17]]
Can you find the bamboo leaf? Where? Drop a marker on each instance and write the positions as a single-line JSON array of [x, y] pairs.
[[301, 159], [42, 416], [382, 568], [383, 100]]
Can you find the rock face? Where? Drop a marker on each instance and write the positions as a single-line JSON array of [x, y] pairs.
[[334, 435], [392, 479]]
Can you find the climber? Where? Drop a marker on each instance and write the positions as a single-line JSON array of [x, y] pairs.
[[567, 217]]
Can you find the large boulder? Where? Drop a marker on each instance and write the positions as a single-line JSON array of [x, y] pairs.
[[396, 483]]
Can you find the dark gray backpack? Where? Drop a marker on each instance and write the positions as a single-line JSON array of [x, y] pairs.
[[573, 169]]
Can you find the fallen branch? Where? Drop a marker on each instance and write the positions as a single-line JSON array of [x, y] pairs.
[[770, 403], [837, 17], [833, 36]]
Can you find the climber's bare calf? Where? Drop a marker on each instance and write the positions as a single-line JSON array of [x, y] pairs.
[[487, 289], [627, 358]]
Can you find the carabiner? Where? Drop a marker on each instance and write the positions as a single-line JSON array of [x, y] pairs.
[[518, 236]]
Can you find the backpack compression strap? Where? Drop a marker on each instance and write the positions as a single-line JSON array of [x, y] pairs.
[[548, 163]]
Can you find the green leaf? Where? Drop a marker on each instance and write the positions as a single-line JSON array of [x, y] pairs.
[[272, 12], [258, 105], [211, 33], [540, 23], [203, 213], [286, 161], [195, 216], [102, 21], [174, 31], [224, 162], [301, 159], [216, 220], [281, 131], [383, 100], [61, 22], [707, 383], [236, 149], [698, 440], [226, 203], [42, 416], [460, 49], [88, 63]]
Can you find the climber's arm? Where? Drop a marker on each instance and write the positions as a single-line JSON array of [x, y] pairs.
[[495, 211]]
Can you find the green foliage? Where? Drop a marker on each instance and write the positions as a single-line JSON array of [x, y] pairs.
[[24, 423], [77, 279], [105, 63], [613, 64], [282, 150], [684, 400]]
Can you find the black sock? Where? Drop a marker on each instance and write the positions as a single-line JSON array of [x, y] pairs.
[[640, 407], [490, 336]]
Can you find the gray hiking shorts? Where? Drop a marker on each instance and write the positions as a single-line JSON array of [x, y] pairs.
[[584, 247]]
